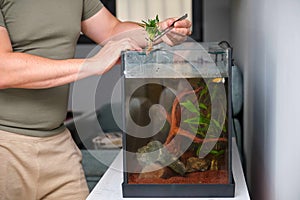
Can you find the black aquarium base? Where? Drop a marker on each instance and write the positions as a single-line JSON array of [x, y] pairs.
[[178, 190]]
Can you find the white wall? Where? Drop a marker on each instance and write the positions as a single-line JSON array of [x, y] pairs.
[[265, 36]]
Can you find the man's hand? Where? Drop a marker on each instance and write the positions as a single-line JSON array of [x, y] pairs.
[[178, 34], [109, 55]]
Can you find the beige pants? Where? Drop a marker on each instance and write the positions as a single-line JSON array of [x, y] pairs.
[[34, 168]]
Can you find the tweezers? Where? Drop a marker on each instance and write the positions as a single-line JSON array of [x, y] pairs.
[[166, 30]]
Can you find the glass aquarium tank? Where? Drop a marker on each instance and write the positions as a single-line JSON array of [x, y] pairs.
[[176, 120]]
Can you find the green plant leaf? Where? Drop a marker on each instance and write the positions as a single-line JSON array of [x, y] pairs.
[[204, 151], [198, 150], [203, 91], [201, 133], [217, 124], [151, 27], [203, 106], [194, 120], [190, 106], [204, 120], [194, 129], [217, 153]]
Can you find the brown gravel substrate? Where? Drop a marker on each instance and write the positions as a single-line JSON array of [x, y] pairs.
[[207, 177]]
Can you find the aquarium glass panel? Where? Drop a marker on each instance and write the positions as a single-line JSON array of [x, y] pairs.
[[175, 115]]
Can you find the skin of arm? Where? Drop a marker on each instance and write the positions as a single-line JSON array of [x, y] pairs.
[[21, 70], [131, 30]]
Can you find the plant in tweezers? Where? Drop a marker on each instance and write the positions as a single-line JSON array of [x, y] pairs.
[[152, 29]]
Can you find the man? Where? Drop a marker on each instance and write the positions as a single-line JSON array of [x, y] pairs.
[[39, 159]]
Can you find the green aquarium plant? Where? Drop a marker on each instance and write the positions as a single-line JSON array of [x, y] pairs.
[[152, 29], [200, 118]]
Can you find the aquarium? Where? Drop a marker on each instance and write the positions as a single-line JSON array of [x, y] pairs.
[[177, 122]]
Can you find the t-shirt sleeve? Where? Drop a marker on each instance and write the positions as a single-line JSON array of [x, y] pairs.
[[90, 8], [2, 23]]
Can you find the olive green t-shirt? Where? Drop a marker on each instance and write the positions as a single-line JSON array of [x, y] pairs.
[[47, 28]]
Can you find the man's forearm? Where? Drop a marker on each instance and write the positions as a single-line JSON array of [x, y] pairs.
[[112, 29], [21, 70], [129, 30]]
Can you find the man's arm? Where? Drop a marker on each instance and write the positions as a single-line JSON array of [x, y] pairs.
[[104, 26], [96, 29], [21, 70]]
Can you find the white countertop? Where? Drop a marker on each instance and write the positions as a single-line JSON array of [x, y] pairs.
[[110, 185]]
